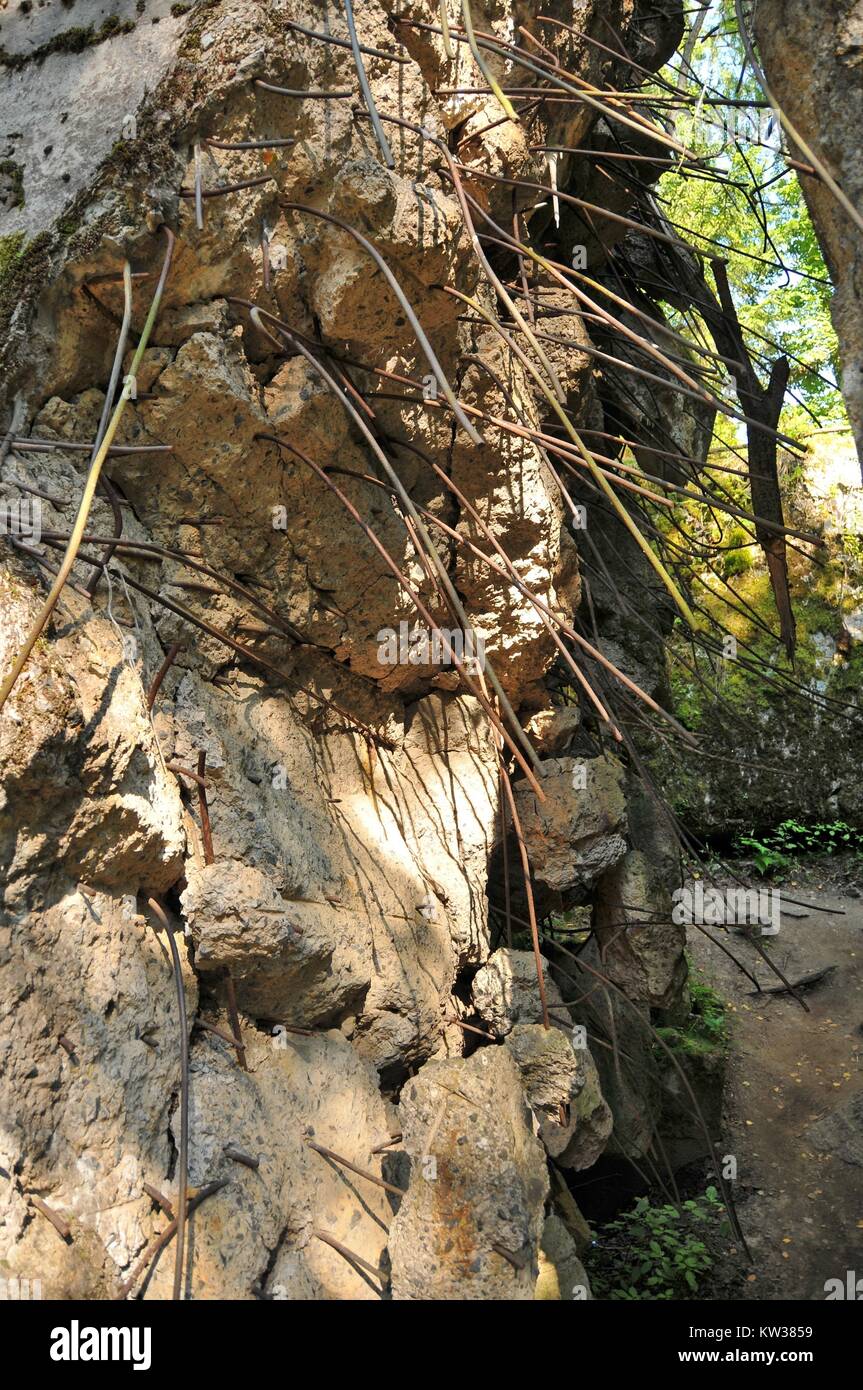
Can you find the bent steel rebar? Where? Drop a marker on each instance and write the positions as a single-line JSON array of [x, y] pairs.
[[50, 603]]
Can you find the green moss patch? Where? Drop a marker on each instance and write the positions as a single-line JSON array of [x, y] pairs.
[[10, 249], [12, 175], [74, 40], [704, 1032]]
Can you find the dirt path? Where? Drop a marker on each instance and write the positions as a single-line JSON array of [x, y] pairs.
[[793, 1113]]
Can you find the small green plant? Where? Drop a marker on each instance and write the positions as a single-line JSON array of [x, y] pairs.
[[572, 925], [775, 850], [656, 1252], [828, 837], [705, 1029], [765, 859]]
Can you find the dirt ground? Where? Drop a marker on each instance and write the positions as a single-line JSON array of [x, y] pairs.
[[793, 1107]]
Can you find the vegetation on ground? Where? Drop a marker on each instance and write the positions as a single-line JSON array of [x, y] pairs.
[[655, 1252]]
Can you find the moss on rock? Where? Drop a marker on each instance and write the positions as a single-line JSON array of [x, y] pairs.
[[74, 40]]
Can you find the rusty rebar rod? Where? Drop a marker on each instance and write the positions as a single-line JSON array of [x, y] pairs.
[[345, 43], [334, 95], [362, 1172], [467, 1028], [206, 832], [12, 481], [247, 144], [233, 1011], [366, 90], [226, 188], [183, 1156], [167, 1235], [156, 684], [110, 393], [164, 1203], [349, 1255], [528, 889], [185, 772], [240, 1156], [23, 654], [46, 565], [46, 446], [198, 193], [217, 1032], [61, 1226], [393, 1139]]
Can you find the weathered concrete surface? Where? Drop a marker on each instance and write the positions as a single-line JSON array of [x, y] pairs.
[[562, 1276], [562, 1089], [85, 794], [321, 902], [63, 113], [576, 833], [642, 949], [505, 991], [477, 1187], [354, 805], [84, 1121], [257, 1235]]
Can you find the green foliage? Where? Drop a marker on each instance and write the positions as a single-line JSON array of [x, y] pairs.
[[656, 1252], [10, 249], [74, 40], [852, 548], [687, 698], [765, 859], [755, 216], [571, 925], [775, 850], [716, 693], [737, 560], [705, 1029]]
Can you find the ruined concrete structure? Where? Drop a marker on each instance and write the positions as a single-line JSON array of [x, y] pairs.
[[346, 886]]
